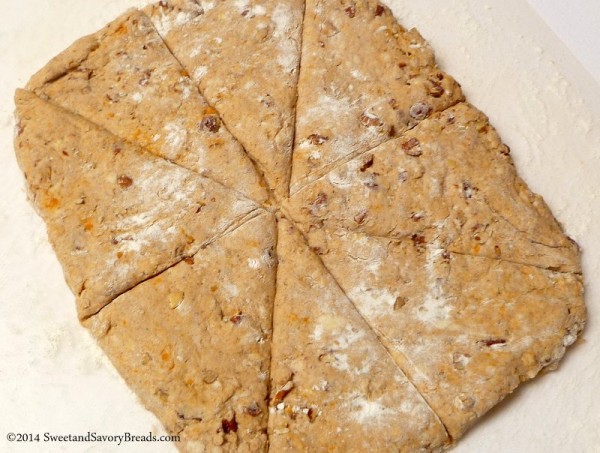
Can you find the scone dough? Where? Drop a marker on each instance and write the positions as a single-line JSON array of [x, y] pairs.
[[289, 231], [449, 256], [194, 342], [364, 79]]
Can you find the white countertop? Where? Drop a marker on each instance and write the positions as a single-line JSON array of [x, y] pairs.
[[577, 24], [546, 106]]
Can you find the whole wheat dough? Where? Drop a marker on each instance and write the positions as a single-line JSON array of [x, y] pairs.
[[449, 179], [194, 342], [448, 255], [116, 215], [334, 385], [364, 79], [125, 79], [404, 284], [244, 56]]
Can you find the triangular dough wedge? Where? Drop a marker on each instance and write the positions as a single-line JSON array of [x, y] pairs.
[[116, 215], [125, 79], [466, 330], [194, 342], [334, 385], [244, 55], [450, 179], [464, 273], [363, 80]]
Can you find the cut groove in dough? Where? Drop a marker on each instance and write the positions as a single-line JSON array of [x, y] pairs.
[[448, 332], [204, 369], [462, 183], [356, 93]]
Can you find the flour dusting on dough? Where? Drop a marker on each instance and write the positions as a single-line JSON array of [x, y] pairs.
[[347, 337], [165, 22], [283, 17], [253, 263], [317, 332], [365, 411], [137, 97], [207, 6], [176, 136], [343, 177], [373, 302], [200, 71], [345, 110], [435, 307], [241, 5], [358, 75], [170, 191], [134, 242], [341, 361]]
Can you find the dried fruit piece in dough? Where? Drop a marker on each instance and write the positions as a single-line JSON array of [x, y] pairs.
[[467, 330], [463, 272], [460, 188]]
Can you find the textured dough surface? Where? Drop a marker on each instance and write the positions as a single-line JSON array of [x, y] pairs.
[[466, 330], [449, 179], [450, 257], [124, 79], [115, 214], [335, 387], [413, 280], [194, 342], [244, 56], [364, 79]]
